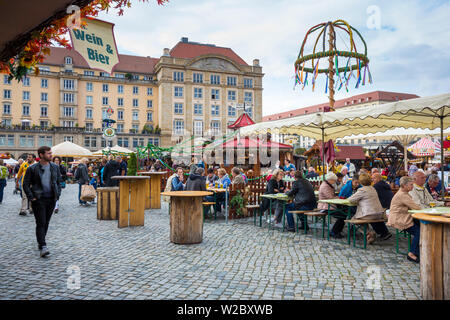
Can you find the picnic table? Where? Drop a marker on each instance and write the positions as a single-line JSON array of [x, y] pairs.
[[186, 216], [278, 196], [221, 190], [434, 252], [339, 212]]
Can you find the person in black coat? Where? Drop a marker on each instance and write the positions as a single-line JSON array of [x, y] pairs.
[[304, 198], [196, 181], [111, 169], [274, 185], [384, 190]]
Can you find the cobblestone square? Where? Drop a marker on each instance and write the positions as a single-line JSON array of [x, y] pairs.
[[235, 261]]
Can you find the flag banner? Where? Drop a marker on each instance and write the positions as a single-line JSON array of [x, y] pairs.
[[96, 43]]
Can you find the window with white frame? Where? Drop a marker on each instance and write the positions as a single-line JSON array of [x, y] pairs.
[[178, 126], [104, 74], [89, 113], [25, 110], [248, 83], [105, 87], [120, 127], [198, 93], [135, 127], [6, 94], [149, 116], [6, 109], [178, 108], [178, 76], [88, 99], [68, 84], [68, 124], [149, 103], [135, 90], [119, 75], [198, 109], [249, 112], [6, 123], [6, 80], [26, 95], [122, 142], [135, 102], [89, 86], [120, 88], [231, 111], [88, 73], [26, 81], [198, 128], [68, 60], [231, 81], [178, 92], [44, 111], [231, 95], [68, 98], [43, 124], [215, 79], [149, 91], [105, 101], [215, 95], [44, 97], [135, 116], [89, 126], [68, 112], [198, 77], [215, 127], [120, 115], [120, 102], [44, 83], [215, 110], [248, 97]]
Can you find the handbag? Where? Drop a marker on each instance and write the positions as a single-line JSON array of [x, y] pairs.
[[87, 193], [63, 184]]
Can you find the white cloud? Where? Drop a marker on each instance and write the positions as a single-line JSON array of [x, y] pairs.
[[409, 53]]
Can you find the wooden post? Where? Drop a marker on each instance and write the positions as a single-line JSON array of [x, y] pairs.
[[331, 70]]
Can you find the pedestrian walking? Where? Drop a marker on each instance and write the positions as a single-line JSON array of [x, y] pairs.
[[42, 185], [25, 208], [82, 177], [62, 170], [3, 177]]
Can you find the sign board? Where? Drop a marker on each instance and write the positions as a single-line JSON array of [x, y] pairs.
[[96, 43]]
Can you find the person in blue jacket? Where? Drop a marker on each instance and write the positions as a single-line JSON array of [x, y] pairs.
[[347, 190], [177, 182]]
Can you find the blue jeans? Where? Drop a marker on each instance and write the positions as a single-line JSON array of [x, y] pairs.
[[2, 186], [290, 217], [79, 194], [415, 232]]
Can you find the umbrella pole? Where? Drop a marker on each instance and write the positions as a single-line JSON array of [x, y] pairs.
[[323, 153], [442, 157]]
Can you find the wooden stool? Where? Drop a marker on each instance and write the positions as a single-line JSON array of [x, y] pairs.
[[358, 223], [207, 209], [108, 203]]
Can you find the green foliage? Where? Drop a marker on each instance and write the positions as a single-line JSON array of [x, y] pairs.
[[128, 76], [132, 165], [299, 151], [237, 202]]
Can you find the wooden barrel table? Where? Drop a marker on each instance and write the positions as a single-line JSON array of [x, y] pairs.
[[131, 200], [186, 216], [108, 203], [434, 256], [153, 198]]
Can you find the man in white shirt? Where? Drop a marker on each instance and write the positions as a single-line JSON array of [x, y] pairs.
[[420, 194], [350, 166]]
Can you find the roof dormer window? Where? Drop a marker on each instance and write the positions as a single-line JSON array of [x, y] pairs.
[[68, 60]]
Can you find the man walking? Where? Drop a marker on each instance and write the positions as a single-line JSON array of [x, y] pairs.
[[3, 176], [82, 176], [19, 184], [42, 185]]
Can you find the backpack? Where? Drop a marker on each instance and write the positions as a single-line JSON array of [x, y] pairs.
[[3, 172]]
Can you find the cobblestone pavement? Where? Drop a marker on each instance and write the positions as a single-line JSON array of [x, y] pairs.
[[235, 261]]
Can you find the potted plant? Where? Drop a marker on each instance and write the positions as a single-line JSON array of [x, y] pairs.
[[237, 203], [132, 165]]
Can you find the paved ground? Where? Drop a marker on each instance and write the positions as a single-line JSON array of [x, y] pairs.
[[235, 261]]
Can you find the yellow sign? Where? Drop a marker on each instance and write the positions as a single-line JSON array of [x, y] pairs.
[[96, 43]]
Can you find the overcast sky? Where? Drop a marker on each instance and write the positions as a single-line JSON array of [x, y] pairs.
[[408, 46]]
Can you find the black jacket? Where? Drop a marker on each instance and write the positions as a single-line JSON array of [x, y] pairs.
[[111, 169], [274, 186], [81, 174], [385, 193], [196, 182], [63, 172], [32, 181], [303, 193]]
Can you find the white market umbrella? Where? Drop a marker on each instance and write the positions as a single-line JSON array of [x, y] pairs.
[[69, 149], [10, 161], [116, 148]]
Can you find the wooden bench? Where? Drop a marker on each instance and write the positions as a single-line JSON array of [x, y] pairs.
[[252, 208], [207, 208], [362, 223], [310, 213]]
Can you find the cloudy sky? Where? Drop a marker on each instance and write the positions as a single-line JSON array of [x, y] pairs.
[[408, 40]]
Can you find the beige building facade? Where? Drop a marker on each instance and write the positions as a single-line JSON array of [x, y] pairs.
[[193, 89]]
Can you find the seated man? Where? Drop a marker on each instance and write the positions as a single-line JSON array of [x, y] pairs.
[[350, 188], [311, 173], [304, 199], [433, 185], [196, 181], [383, 189], [420, 194], [211, 177]]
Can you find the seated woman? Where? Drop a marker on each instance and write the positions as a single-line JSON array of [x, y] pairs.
[[220, 197], [369, 207], [400, 218], [304, 199], [274, 186], [327, 191]]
